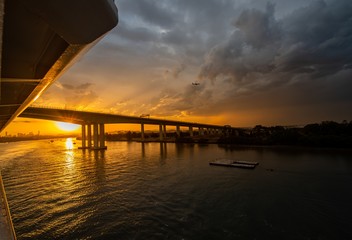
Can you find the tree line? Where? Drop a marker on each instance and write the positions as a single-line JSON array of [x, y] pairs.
[[324, 134]]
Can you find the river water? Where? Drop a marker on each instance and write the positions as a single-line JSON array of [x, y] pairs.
[[169, 191]]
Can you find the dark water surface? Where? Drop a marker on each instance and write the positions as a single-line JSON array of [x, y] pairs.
[[169, 191]]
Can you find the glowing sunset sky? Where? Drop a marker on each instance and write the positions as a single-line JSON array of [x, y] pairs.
[[277, 63]]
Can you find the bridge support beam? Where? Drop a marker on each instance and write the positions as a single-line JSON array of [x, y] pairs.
[[84, 137], [191, 131], [95, 136], [89, 133], [161, 134], [98, 136], [216, 131], [142, 131], [164, 131], [178, 132], [102, 136], [201, 131]]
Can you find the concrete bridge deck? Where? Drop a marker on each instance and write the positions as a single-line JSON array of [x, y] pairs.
[[85, 117], [98, 120]]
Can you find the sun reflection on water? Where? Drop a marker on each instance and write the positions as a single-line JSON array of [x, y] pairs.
[[69, 144], [69, 154]]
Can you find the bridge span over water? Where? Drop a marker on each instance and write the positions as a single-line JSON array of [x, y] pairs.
[[97, 121]]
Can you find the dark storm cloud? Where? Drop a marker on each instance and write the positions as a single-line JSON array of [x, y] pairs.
[[137, 34], [186, 28], [174, 103], [314, 41], [259, 28], [153, 12], [248, 55]]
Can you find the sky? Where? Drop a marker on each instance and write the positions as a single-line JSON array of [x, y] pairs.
[[278, 62]]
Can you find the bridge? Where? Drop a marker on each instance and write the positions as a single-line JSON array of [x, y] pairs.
[[39, 41], [97, 121]]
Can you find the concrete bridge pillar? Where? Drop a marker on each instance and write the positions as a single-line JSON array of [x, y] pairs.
[[95, 136], [178, 132], [201, 131], [164, 130], [191, 131], [142, 131], [208, 131], [98, 136], [89, 133], [83, 127], [161, 135], [102, 136]]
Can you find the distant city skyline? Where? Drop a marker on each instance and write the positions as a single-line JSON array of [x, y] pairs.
[[279, 62]]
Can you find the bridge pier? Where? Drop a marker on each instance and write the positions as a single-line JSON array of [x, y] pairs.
[[201, 131], [89, 133], [178, 132], [209, 131], [191, 131], [95, 135], [102, 136], [98, 136], [164, 131], [161, 134], [86, 136], [142, 131], [83, 127]]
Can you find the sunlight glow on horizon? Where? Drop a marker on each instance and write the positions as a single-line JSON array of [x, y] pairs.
[[67, 127]]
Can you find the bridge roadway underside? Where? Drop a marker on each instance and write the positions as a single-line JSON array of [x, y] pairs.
[[93, 124]]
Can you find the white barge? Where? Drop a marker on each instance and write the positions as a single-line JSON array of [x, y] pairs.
[[234, 163]]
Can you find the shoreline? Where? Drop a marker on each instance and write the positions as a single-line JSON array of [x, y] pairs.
[[21, 139], [4, 140]]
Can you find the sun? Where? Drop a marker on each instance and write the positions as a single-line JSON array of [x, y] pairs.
[[68, 127]]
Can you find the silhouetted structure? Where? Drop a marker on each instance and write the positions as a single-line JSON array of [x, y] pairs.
[[325, 134]]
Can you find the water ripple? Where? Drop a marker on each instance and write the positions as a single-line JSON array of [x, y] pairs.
[[168, 191]]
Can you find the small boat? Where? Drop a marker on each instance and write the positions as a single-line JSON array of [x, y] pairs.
[[234, 163]]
